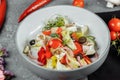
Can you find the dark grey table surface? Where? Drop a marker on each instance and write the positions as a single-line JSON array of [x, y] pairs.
[[8, 32]]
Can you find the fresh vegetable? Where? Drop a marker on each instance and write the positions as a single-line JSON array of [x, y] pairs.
[[47, 32], [2, 11], [79, 48], [68, 40], [33, 7], [114, 27], [54, 61], [74, 36], [55, 35], [55, 43], [114, 24], [79, 3], [56, 22], [48, 54], [63, 45], [87, 59], [43, 55]]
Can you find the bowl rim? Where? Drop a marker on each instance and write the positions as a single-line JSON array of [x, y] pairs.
[[46, 69]]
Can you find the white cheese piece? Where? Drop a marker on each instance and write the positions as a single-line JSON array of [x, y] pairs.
[[89, 50]]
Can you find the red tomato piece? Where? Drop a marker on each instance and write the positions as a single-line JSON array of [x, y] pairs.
[[47, 32], [54, 43], [114, 24], [79, 3]]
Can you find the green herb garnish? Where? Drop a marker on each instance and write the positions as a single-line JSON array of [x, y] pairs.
[[57, 22]]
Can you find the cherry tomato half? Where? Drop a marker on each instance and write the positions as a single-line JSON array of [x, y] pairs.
[[79, 3], [114, 24]]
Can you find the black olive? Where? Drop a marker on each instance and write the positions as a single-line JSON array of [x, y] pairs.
[[82, 40], [32, 42]]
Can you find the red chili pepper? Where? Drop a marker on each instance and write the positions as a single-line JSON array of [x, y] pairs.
[[34, 6], [2, 11]]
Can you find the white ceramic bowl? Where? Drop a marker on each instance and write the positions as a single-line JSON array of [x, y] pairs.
[[31, 25]]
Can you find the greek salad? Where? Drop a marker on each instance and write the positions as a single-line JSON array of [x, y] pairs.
[[62, 45]]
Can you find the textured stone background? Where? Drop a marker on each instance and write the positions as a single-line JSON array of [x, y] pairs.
[[7, 35]]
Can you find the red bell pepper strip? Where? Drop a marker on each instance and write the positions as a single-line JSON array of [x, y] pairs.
[[79, 48], [2, 11], [43, 55], [34, 6], [86, 58], [48, 54]]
